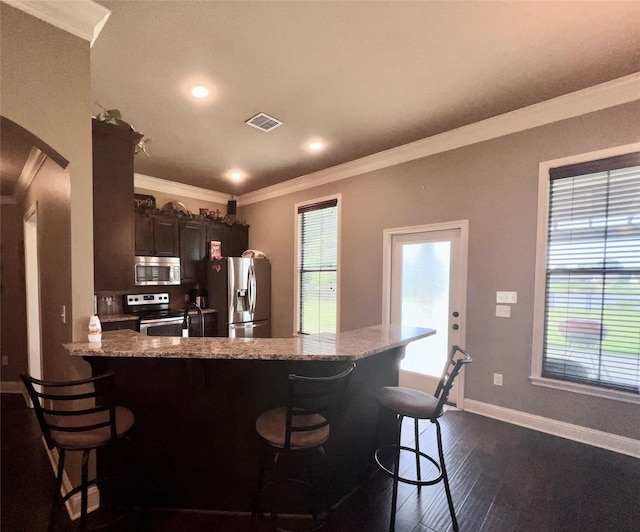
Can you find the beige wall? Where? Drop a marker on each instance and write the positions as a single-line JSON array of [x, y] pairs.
[[49, 193], [493, 184], [45, 88], [194, 205]]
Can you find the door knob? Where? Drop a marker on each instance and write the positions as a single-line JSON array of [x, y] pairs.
[[455, 327], [456, 314]]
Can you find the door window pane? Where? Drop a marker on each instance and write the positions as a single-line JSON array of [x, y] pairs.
[[425, 303]]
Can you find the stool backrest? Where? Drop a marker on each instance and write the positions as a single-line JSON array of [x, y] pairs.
[[320, 398], [458, 357], [71, 406]]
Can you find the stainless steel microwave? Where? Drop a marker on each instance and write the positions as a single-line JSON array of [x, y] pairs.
[[155, 271]]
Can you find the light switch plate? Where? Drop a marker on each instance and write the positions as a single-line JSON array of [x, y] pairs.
[[507, 297], [503, 311]]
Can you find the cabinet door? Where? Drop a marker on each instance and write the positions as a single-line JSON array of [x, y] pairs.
[[239, 240], [221, 233], [120, 325], [166, 237], [144, 235], [113, 225], [210, 324], [191, 250]]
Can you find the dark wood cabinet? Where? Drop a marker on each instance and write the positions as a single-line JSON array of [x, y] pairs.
[[120, 325], [166, 236], [221, 233], [157, 236], [113, 224], [239, 240], [210, 324], [192, 250], [144, 235]]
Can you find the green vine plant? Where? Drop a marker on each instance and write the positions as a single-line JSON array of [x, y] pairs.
[[114, 116]]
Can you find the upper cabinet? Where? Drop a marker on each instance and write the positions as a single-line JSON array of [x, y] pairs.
[[113, 224], [157, 235], [239, 240], [192, 250], [163, 234]]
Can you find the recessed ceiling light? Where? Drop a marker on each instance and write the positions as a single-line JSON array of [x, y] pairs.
[[316, 145], [236, 176], [199, 91]]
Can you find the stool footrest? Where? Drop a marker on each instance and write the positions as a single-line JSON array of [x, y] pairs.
[[413, 482]]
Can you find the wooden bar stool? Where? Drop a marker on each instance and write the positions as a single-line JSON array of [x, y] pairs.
[[406, 402], [78, 416], [302, 426]]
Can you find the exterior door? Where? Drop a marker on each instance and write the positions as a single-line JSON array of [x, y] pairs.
[[427, 288]]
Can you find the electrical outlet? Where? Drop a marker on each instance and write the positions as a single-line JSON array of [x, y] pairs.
[[497, 379], [5, 360], [503, 311]]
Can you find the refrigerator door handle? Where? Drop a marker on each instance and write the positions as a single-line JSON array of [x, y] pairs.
[[252, 289]]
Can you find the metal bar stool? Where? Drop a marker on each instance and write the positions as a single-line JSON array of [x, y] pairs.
[[81, 416], [303, 425], [405, 402]]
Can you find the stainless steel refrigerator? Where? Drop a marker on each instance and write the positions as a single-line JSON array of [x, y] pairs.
[[240, 289]]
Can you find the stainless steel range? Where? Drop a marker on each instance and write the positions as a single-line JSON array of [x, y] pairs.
[[155, 314]]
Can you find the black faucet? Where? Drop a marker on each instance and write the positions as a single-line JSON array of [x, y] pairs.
[[201, 315]]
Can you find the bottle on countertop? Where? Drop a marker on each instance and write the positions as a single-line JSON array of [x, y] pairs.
[[95, 329], [185, 325]]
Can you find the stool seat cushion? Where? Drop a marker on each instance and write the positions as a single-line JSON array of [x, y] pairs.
[[407, 402], [271, 426], [87, 439]]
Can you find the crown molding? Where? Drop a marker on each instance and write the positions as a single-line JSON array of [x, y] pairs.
[[82, 18], [617, 92], [179, 189]]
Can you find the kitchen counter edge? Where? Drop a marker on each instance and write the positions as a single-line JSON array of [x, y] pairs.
[[349, 345]]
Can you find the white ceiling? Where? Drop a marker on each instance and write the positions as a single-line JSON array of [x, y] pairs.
[[364, 76]]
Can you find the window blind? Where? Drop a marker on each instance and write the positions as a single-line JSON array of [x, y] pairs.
[[592, 307], [317, 267]]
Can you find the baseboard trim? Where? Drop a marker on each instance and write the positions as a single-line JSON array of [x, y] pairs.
[[74, 503], [596, 438]]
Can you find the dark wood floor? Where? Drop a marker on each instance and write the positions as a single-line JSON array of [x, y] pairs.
[[503, 477]]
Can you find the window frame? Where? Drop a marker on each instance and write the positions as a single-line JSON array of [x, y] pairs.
[[296, 276], [544, 182]]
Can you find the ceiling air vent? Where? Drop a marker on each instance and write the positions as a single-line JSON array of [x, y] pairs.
[[263, 122]]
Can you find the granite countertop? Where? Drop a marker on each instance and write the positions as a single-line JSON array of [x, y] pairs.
[[350, 345], [110, 318]]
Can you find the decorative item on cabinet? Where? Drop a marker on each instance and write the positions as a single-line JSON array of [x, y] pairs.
[[114, 116]]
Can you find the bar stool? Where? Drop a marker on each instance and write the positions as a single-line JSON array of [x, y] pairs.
[[81, 416], [405, 402], [302, 426]]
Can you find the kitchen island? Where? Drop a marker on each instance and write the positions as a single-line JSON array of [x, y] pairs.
[[196, 401]]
